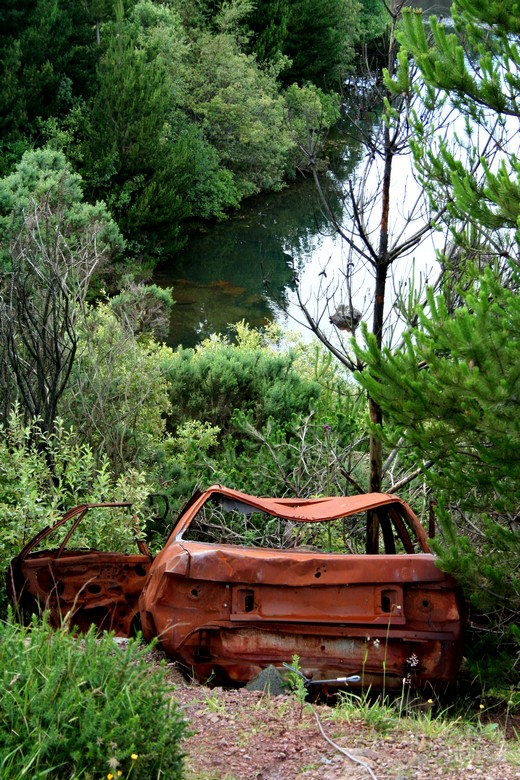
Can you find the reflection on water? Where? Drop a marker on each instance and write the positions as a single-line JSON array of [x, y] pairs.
[[243, 268]]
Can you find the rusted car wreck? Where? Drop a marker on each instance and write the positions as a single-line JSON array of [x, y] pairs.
[[246, 582], [81, 586]]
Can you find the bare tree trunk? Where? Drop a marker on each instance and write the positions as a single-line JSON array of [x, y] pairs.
[[378, 227], [381, 273]]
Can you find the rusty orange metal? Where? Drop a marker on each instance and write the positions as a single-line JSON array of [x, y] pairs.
[[245, 582], [225, 609], [80, 586]]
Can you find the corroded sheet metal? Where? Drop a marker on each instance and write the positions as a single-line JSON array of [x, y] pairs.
[[306, 510], [83, 587], [280, 567], [226, 612]]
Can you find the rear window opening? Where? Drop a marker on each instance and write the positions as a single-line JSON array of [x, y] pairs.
[[222, 521]]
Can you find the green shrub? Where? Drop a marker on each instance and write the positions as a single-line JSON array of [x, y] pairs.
[[267, 414], [84, 708], [117, 397], [212, 381]]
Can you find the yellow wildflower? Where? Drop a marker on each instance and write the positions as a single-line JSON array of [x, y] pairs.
[[134, 756]]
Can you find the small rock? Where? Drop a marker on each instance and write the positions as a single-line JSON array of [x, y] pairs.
[[268, 681]]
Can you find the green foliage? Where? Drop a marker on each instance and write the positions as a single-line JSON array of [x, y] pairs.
[[295, 682], [217, 378], [43, 176], [193, 440], [461, 359], [129, 126], [320, 41], [144, 308], [451, 394], [153, 164], [84, 708], [48, 56], [493, 661], [168, 111], [118, 395], [452, 391], [51, 245], [486, 566], [373, 22], [310, 114], [475, 174], [241, 111], [478, 79], [268, 25], [262, 418], [212, 188]]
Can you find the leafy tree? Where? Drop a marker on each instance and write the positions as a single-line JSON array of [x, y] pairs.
[[129, 125], [157, 168], [117, 398], [310, 114], [51, 244], [144, 309], [262, 415], [373, 21], [320, 41], [239, 107]]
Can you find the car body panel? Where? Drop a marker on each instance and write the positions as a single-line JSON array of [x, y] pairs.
[[226, 611], [83, 586]]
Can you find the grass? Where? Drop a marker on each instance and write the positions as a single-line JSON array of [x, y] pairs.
[[81, 707]]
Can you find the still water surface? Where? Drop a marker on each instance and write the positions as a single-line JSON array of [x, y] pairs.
[[243, 268]]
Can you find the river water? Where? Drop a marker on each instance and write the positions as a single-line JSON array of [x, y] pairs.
[[244, 268]]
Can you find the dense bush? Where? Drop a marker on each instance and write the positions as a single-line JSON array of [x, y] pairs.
[[262, 415], [117, 397], [169, 115], [217, 378], [84, 708]]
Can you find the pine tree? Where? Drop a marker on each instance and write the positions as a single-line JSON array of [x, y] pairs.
[[452, 391], [320, 41], [476, 71], [268, 24], [452, 394]]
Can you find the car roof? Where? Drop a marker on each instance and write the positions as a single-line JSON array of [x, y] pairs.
[[312, 509]]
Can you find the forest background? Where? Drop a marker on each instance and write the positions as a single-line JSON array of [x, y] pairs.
[[122, 124]]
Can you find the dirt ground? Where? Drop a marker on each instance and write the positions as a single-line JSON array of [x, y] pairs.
[[249, 735]]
